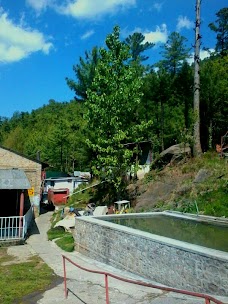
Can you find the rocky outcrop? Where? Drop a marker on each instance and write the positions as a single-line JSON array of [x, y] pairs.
[[169, 187]]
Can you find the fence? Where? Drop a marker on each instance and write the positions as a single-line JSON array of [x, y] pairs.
[[15, 227], [208, 299]]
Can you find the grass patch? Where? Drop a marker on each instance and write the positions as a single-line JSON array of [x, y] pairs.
[[214, 203], [54, 233], [66, 243], [19, 280], [56, 217], [64, 239]]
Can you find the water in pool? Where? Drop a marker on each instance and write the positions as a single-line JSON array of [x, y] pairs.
[[194, 232]]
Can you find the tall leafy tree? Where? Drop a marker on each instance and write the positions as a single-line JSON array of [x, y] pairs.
[[174, 52], [220, 27], [84, 72], [112, 110]]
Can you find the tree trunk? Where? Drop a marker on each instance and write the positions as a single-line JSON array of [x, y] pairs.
[[197, 150], [210, 142], [162, 125]]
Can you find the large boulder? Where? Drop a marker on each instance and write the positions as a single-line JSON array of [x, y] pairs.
[[179, 149], [173, 155]]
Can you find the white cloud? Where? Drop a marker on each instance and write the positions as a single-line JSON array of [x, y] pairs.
[[81, 8], [158, 6], [93, 8], [159, 35], [17, 42], [203, 54], [184, 22], [38, 5], [87, 34]]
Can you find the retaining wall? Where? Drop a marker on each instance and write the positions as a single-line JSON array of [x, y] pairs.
[[167, 261]]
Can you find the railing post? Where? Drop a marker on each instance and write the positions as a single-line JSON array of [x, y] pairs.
[[207, 301], [106, 288], [23, 226], [64, 277]]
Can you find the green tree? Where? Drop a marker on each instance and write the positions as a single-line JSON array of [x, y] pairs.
[[214, 100], [57, 145], [84, 72], [112, 110], [16, 139], [137, 46], [184, 90], [57, 130], [220, 27], [174, 53], [4, 128], [164, 102], [78, 152]]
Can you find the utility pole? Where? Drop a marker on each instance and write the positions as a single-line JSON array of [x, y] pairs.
[[197, 150]]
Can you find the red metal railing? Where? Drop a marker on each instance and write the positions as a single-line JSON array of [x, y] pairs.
[[207, 298]]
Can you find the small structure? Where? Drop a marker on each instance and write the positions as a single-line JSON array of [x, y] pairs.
[[70, 183], [58, 196], [32, 169], [142, 155], [16, 211]]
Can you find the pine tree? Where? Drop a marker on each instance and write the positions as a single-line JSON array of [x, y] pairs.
[[138, 46], [220, 27], [174, 53], [84, 72]]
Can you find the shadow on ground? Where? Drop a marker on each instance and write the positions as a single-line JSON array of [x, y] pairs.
[[33, 229], [37, 295]]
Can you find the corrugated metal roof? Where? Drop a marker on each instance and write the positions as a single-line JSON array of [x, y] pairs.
[[13, 179]]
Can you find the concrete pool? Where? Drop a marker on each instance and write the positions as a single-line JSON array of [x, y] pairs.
[[163, 259], [192, 231]]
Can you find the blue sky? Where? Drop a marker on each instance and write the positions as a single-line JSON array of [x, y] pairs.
[[41, 40]]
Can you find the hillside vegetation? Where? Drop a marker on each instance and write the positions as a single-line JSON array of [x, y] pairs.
[[199, 185]]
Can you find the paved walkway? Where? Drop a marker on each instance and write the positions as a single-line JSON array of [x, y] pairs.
[[88, 288]]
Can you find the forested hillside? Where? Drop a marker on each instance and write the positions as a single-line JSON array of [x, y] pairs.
[[120, 99]]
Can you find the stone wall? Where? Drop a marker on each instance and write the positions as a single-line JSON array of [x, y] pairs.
[[32, 169], [166, 261]]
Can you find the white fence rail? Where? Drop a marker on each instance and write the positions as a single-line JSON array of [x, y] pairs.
[[15, 227]]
